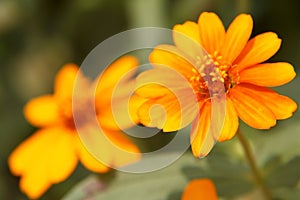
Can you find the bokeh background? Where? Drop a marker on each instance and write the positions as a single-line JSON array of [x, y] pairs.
[[37, 37]]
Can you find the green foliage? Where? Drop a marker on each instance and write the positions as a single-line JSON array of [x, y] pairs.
[[169, 183]]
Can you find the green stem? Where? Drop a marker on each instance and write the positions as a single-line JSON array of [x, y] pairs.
[[255, 171]]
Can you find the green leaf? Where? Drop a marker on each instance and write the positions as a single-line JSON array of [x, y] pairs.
[[231, 178], [285, 175], [147, 186], [287, 193]]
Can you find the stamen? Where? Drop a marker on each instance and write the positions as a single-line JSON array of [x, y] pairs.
[[213, 66]]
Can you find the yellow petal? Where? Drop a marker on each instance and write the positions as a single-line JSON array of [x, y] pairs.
[[64, 81], [170, 112], [42, 111], [251, 110], [212, 32], [121, 69], [172, 104], [171, 57], [160, 81], [202, 135], [282, 106], [258, 49], [45, 158], [200, 189], [236, 37], [34, 186], [189, 29], [120, 113], [114, 100], [231, 122], [134, 103], [268, 74], [186, 38], [88, 160], [150, 90], [110, 147]]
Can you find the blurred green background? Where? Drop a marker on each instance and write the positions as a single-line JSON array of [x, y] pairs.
[[37, 37]]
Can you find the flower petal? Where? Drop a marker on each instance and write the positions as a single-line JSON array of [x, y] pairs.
[[186, 38], [45, 158], [202, 135], [231, 122], [160, 81], [212, 32], [200, 189], [112, 148], [64, 81], [168, 56], [250, 109], [121, 69], [42, 111], [236, 37], [189, 29], [120, 113], [258, 49], [170, 112], [268, 74], [282, 106], [88, 160]]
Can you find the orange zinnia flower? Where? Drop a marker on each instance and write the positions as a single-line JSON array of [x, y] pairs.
[[200, 189], [207, 55], [51, 154]]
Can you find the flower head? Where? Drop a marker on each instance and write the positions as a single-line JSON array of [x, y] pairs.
[[200, 189], [215, 62], [51, 154]]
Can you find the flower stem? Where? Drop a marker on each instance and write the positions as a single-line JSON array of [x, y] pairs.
[[255, 171]]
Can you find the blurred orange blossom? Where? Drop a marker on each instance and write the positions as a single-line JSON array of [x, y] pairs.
[[200, 189], [229, 61], [51, 154]]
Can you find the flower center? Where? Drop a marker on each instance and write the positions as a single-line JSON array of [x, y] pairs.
[[83, 111], [211, 76]]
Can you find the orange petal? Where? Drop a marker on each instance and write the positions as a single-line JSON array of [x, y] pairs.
[[121, 69], [160, 81], [250, 109], [282, 106], [258, 49], [47, 157], [121, 113], [170, 112], [34, 186], [200, 189], [268, 74], [231, 122], [171, 57], [134, 103], [172, 104], [212, 32], [236, 37], [150, 90], [202, 135], [189, 29], [112, 148], [186, 38], [42, 111], [88, 160], [64, 81]]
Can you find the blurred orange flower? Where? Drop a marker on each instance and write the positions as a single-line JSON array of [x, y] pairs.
[[51, 154], [200, 189], [229, 62]]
